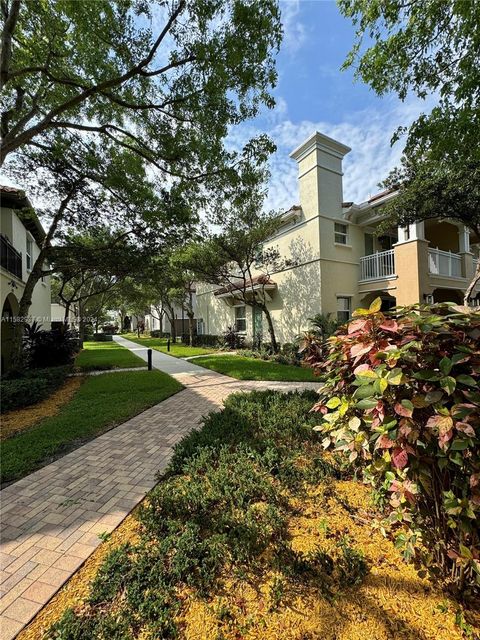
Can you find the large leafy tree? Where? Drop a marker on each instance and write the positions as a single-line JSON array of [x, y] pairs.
[[89, 266], [163, 78], [86, 186], [425, 47]]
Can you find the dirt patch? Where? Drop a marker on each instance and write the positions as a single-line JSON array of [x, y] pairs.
[[20, 420]]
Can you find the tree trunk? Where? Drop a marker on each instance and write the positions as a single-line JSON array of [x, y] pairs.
[[271, 330], [472, 285], [81, 323], [191, 327], [173, 329], [65, 317]]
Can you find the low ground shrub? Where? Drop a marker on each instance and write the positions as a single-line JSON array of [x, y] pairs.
[[401, 398], [202, 518], [30, 387], [103, 337], [156, 333], [289, 354], [207, 340], [51, 348]]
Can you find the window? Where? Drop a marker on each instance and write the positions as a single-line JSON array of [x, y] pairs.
[[344, 308], [29, 253], [341, 233], [240, 319]]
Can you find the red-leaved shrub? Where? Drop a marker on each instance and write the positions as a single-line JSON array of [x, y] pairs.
[[401, 398]]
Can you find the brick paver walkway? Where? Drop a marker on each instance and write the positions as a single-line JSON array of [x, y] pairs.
[[51, 519]]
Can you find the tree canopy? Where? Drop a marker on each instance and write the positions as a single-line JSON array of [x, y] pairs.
[[428, 47], [163, 78]]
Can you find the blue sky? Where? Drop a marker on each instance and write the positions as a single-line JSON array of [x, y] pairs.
[[314, 94]]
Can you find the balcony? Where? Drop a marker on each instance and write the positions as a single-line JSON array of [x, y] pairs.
[[444, 263], [377, 266], [10, 258]]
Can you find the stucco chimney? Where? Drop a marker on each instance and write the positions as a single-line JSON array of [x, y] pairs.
[[320, 174]]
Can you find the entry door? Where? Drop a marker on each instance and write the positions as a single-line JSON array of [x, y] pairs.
[[257, 317]]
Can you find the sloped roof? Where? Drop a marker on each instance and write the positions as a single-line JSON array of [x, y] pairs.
[[258, 281]]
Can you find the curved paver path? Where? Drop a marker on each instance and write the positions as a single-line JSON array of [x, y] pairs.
[[51, 519]]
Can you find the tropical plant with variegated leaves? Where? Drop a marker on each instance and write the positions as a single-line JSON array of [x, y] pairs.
[[401, 399]]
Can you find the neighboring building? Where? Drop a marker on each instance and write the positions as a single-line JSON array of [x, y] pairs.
[[340, 263], [57, 314], [21, 235], [152, 321]]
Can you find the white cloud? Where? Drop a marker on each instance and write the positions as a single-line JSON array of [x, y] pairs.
[[294, 32], [367, 132]]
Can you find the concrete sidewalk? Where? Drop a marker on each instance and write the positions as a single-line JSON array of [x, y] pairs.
[[162, 361]]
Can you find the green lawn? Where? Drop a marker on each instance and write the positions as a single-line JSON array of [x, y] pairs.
[[106, 355], [254, 369], [100, 403], [176, 349]]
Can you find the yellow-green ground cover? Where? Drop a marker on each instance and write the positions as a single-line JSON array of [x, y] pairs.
[[391, 603]]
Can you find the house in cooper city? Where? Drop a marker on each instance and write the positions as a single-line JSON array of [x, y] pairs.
[[339, 261], [20, 236]]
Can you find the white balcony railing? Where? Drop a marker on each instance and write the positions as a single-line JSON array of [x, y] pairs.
[[378, 265], [444, 263]]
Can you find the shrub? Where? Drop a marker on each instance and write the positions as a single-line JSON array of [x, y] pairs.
[[103, 337], [32, 386], [323, 325], [401, 399], [51, 348], [289, 354], [208, 340], [232, 339], [156, 333], [110, 328]]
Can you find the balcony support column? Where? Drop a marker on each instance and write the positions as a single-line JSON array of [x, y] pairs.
[[411, 267]]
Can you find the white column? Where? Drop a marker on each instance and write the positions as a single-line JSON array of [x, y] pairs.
[[415, 231], [464, 239]]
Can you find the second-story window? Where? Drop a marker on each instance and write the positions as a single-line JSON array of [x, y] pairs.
[[240, 319], [341, 233], [29, 254]]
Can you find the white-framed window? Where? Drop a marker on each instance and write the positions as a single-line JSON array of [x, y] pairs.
[[29, 254], [344, 308], [341, 233], [241, 319]]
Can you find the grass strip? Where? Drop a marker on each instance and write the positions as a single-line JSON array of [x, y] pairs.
[[106, 355], [100, 403], [243, 368], [177, 349]]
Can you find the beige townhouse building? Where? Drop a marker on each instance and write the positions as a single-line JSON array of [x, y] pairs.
[[339, 259], [21, 235]]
